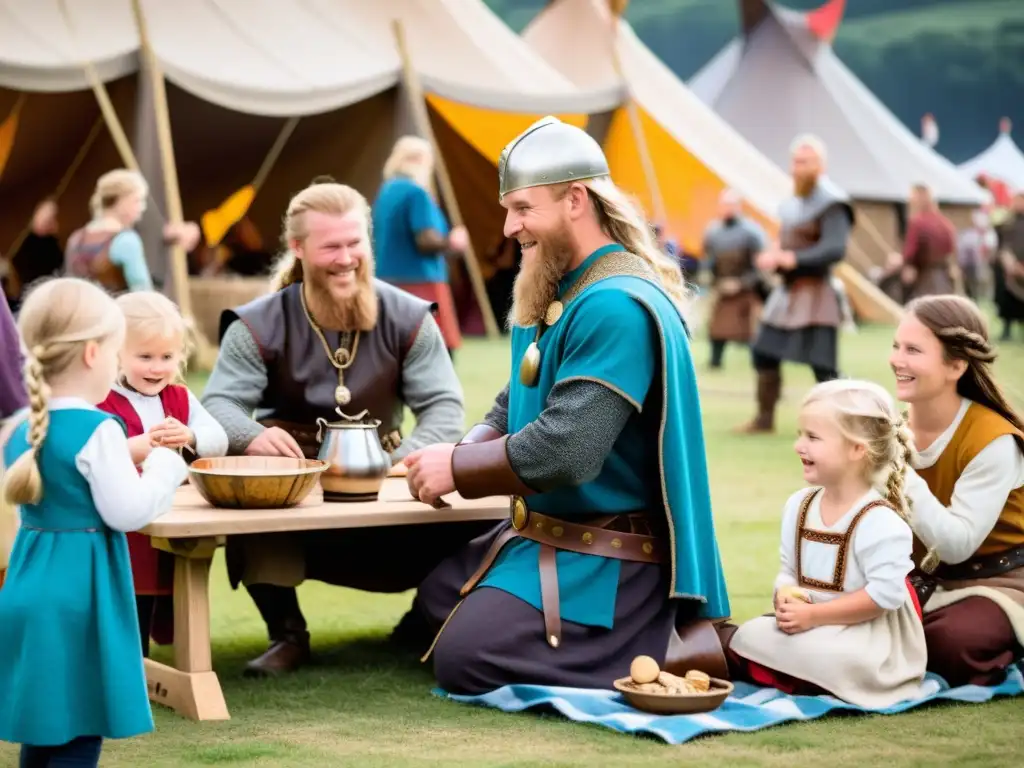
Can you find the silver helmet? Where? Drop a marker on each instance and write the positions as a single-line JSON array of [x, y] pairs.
[[549, 152]]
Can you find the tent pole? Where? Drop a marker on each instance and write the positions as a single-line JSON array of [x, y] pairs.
[[657, 202], [275, 152], [179, 261], [422, 119], [873, 232]]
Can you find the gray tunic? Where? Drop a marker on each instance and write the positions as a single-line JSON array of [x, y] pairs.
[[730, 249], [430, 389], [802, 315]]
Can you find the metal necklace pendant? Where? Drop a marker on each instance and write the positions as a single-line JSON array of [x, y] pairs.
[[342, 395], [554, 312], [529, 368]]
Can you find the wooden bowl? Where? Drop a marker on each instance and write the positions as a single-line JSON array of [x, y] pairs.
[[676, 703], [255, 482]]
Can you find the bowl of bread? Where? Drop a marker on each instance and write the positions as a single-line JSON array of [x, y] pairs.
[[650, 689]]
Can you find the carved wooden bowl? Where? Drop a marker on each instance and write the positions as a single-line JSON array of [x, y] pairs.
[[675, 704], [255, 482]]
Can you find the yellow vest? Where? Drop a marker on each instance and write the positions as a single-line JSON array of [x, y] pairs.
[[979, 427]]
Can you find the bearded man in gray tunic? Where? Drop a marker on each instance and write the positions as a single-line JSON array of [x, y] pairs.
[[329, 335], [802, 315], [731, 243]]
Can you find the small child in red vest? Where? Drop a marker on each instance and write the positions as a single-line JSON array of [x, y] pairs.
[[157, 409]]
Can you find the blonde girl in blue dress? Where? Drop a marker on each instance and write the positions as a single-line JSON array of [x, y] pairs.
[[71, 669]]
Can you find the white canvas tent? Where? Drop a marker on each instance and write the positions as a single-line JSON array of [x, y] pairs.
[[238, 70], [695, 152], [780, 77], [1002, 160]]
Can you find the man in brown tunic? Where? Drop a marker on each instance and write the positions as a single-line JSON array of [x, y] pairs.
[[731, 243], [331, 336], [929, 248], [802, 315]]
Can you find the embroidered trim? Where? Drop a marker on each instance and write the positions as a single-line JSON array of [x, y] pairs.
[[840, 540]]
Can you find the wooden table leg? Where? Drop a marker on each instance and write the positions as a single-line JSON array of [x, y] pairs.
[[190, 687]]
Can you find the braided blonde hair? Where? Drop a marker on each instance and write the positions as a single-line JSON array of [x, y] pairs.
[[327, 198], [622, 220], [150, 314], [866, 414], [961, 328], [56, 321]]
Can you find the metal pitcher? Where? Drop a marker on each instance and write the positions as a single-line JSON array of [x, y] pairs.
[[357, 461]]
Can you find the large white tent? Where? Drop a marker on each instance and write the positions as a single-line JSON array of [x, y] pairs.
[[1002, 160], [780, 77], [239, 70], [695, 152]]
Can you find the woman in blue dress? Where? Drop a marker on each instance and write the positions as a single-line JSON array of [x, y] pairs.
[[71, 668]]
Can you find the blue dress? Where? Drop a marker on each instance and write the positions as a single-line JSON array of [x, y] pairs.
[[70, 660]]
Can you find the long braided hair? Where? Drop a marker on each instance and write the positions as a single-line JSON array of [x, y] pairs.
[[58, 318], [623, 221], [961, 328]]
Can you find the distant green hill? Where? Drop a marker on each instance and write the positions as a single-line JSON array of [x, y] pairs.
[[961, 60]]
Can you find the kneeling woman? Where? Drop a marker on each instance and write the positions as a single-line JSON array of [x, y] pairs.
[[966, 489], [846, 620]]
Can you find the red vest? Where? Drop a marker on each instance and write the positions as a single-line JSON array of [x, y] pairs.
[[174, 399], [152, 570]]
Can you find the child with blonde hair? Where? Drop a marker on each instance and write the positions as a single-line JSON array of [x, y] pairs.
[[70, 668], [846, 618], [157, 409]]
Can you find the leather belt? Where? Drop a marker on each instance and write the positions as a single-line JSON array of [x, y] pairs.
[[595, 537], [983, 566]]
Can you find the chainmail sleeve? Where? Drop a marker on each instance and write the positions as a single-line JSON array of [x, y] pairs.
[[568, 444], [497, 417]]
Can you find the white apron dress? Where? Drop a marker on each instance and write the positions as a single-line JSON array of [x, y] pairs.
[[874, 664]]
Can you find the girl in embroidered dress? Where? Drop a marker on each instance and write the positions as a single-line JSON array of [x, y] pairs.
[[157, 410], [70, 668], [846, 620]]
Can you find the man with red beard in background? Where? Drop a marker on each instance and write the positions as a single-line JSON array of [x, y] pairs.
[[609, 551], [330, 336], [802, 315]]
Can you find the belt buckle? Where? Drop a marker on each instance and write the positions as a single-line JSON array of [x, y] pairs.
[[520, 514]]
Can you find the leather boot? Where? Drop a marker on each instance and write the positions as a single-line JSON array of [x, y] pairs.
[[769, 388], [288, 651], [696, 644], [289, 640]]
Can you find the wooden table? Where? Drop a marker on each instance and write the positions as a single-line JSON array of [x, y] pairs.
[[193, 530]]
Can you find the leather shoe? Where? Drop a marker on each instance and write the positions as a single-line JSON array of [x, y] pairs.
[[283, 656]]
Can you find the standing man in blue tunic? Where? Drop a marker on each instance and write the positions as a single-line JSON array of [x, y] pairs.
[[609, 551]]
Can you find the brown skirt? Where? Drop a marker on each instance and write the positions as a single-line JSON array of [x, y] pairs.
[[733, 318], [447, 317], [494, 639]]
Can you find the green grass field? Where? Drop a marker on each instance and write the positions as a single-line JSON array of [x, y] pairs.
[[359, 706]]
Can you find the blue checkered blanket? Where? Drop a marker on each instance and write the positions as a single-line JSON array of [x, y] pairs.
[[749, 708]]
